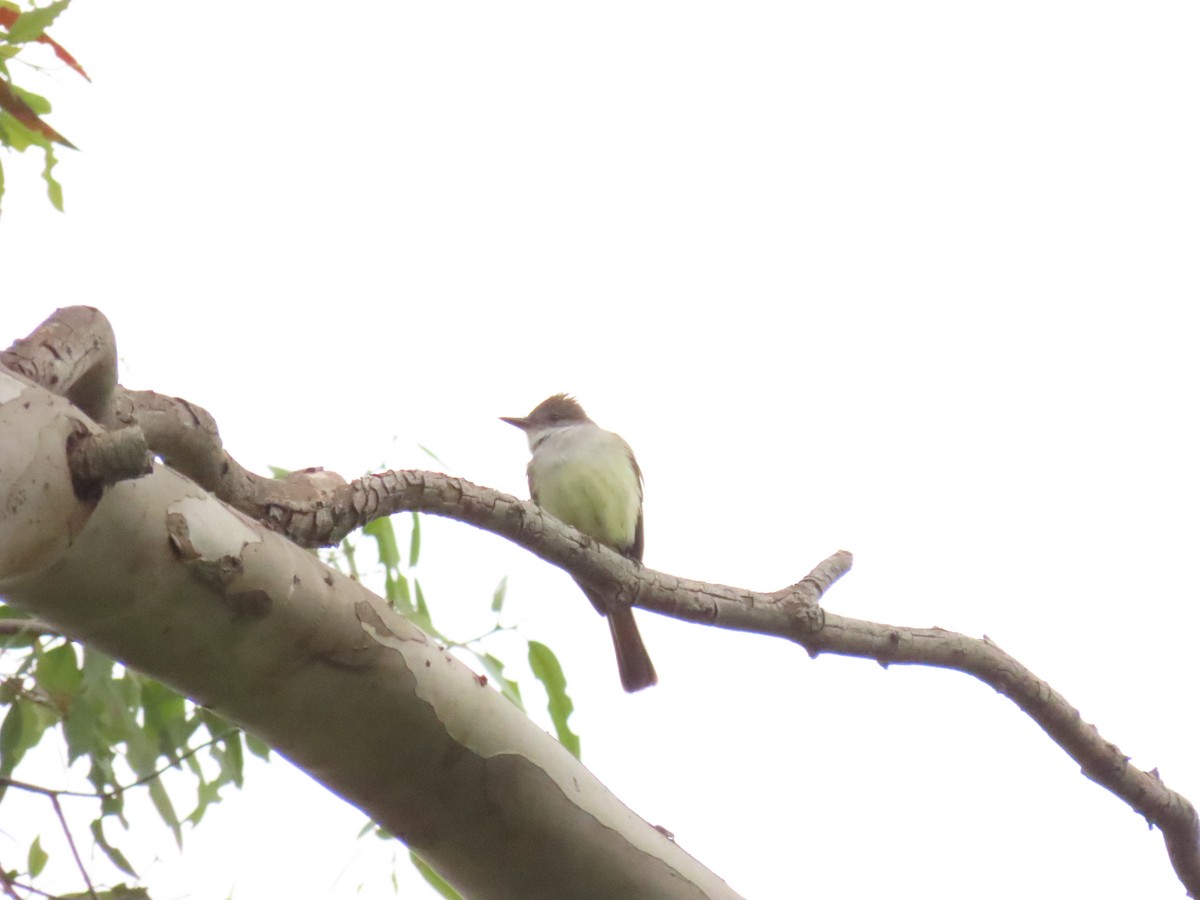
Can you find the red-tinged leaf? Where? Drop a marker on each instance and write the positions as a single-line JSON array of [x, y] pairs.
[[61, 52], [12, 104], [8, 18]]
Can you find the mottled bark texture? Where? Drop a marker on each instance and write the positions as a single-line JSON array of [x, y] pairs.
[[72, 354]]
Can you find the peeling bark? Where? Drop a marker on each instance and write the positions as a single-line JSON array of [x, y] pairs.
[[169, 580], [357, 637]]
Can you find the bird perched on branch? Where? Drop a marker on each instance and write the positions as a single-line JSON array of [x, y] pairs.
[[588, 477]]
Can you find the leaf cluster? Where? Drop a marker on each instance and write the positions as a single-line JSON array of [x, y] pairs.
[[22, 112], [127, 730]]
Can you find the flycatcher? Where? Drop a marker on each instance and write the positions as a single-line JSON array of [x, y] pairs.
[[588, 477]]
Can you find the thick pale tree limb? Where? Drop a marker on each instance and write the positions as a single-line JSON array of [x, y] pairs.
[[170, 581], [320, 509]]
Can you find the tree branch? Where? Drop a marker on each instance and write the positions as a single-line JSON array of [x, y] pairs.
[[74, 850], [30, 626], [791, 613], [1099, 760], [52, 796], [315, 508], [73, 354], [6, 781]]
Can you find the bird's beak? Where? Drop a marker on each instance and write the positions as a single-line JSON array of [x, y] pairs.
[[521, 422]]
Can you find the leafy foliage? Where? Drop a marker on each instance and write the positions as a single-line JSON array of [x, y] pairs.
[[21, 111], [121, 731]]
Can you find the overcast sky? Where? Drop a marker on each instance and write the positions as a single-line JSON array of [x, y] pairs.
[[916, 280]]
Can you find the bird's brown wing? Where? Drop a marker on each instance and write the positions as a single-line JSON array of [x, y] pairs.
[[639, 540]]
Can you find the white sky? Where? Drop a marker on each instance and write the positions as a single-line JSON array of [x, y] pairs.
[[917, 280]]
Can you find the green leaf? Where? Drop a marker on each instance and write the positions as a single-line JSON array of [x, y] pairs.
[[101, 775], [122, 701], [432, 455], [53, 189], [116, 856], [166, 716], [79, 728], [44, 717], [398, 595], [421, 615], [414, 545], [279, 474], [58, 674], [120, 892], [547, 670], [231, 760], [103, 712], [385, 537], [367, 829], [12, 737], [37, 857], [259, 748], [436, 881], [498, 594], [33, 22], [18, 136], [166, 810], [97, 668], [207, 793], [422, 607]]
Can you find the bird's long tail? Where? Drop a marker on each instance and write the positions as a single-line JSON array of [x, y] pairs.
[[633, 662]]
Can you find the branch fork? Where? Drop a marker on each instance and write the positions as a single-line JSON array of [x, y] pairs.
[[73, 354]]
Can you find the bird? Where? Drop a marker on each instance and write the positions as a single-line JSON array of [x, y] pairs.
[[590, 479]]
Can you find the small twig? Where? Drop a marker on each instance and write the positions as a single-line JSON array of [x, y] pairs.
[[192, 751], [74, 850], [36, 627], [7, 884], [62, 820], [52, 793], [7, 782], [31, 889], [495, 629]]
